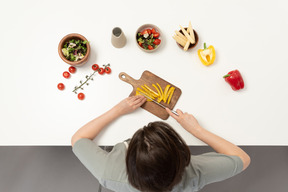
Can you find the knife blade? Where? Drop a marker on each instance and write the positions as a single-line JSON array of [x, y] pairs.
[[174, 112]]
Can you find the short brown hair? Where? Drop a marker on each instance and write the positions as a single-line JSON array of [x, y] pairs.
[[156, 158]]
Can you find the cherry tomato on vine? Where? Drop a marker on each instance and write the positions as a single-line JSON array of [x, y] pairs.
[[66, 74], [72, 69], [61, 86], [101, 71], [81, 96], [107, 70], [95, 67]]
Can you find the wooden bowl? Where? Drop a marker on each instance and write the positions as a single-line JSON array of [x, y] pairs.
[[150, 26], [191, 45], [68, 38]]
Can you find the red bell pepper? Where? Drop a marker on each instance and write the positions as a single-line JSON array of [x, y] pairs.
[[234, 79]]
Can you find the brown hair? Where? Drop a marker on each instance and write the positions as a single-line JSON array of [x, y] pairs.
[[156, 158]]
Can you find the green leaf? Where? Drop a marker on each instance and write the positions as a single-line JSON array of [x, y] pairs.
[[84, 42], [72, 57], [71, 50], [140, 40], [84, 50], [150, 41], [65, 52]]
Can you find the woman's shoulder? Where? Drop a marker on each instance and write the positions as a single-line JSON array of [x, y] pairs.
[[115, 169]]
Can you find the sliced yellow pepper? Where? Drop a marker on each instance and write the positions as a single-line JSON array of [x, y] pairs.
[[144, 92], [162, 95], [170, 93], [159, 93], [165, 93], [160, 88], [152, 92], [137, 93], [207, 55]]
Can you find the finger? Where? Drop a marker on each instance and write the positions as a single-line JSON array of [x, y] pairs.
[[141, 102], [171, 114], [133, 98], [179, 112], [136, 97], [128, 99], [141, 97]]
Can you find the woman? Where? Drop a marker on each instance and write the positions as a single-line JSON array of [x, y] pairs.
[[156, 159]]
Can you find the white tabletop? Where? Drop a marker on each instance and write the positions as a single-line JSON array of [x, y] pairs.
[[250, 36]]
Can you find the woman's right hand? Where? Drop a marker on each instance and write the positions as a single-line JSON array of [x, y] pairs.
[[220, 145], [187, 121]]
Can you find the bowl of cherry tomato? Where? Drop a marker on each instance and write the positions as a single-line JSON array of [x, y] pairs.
[[74, 49], [148, 38]]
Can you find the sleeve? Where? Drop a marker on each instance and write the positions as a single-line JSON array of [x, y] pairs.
[[91, 156], [214, 167]]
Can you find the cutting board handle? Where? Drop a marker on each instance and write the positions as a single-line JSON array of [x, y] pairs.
[[128, 79]]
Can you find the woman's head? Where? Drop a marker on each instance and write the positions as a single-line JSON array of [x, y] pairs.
[[156, 158]]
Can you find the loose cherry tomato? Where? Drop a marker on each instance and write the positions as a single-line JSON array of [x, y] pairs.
[[107, 70], [95, 67], [101, 71], [61, 86], [81, 96], [150, 47], [72, 69], [66, 74], [153, 31], [156, 34], [157, 41]]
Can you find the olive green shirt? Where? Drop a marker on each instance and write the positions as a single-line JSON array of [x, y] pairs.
[[110, 167]]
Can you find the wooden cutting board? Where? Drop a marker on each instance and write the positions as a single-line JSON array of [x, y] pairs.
[[149, 78]]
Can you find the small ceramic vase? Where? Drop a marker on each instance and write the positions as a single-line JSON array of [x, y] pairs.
[[118, 38]]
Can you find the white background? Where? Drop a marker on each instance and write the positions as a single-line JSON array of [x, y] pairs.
[[250, 36]]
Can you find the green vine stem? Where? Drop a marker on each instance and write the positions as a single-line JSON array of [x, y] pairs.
[[85, 82]]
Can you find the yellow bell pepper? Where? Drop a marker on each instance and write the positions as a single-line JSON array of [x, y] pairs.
[[207, 55]]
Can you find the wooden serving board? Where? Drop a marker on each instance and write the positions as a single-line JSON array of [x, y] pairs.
[[149, 78]]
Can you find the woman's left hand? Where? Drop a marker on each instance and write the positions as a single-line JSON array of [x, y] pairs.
[[130, 104]]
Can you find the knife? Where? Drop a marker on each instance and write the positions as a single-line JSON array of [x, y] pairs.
[[174, 112]]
